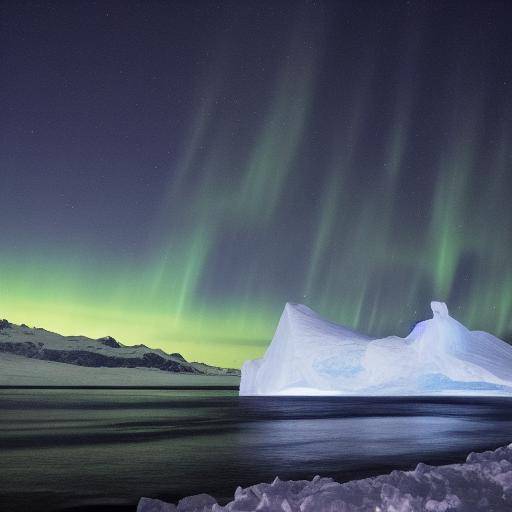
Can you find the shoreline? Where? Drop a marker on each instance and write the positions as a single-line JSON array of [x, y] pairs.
[[482, 482], [214, 387]]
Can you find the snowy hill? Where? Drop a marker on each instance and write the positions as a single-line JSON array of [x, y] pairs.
[[311, 356], [26, 355]]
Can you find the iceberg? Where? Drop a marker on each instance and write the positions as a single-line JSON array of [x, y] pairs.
[[309, 355]]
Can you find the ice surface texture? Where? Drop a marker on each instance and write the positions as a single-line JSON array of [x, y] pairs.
[[312, 356], [483, 483]]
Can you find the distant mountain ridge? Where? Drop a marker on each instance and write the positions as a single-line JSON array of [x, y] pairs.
[[38, 343]]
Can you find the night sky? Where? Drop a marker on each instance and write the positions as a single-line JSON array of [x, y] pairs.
[[173, 172]]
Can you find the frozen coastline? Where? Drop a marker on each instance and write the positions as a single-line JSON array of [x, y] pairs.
[[482, 483]]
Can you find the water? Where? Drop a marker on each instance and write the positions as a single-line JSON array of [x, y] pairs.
[[103, 449]]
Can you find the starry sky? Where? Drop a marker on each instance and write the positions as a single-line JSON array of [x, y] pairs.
[[171, 173]]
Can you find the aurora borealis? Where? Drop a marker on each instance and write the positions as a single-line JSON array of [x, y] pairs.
[[173, 173]]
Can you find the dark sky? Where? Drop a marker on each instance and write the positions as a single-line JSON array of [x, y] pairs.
[[173, 172]]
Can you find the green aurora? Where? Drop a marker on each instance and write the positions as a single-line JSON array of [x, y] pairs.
[[362, 180]]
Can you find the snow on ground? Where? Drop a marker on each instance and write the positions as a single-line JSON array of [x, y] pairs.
[[22, 371], [482, 483]]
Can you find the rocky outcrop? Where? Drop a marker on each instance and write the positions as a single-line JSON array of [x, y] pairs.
[[4, 324], [108, 341], [27, 348], [94, 359]]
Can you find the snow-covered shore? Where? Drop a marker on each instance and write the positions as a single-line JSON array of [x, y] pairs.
[[31, 356], [482, 483], [18, 370]]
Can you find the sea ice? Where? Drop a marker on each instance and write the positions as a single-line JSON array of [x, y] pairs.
[[482, 483], [309, 355]]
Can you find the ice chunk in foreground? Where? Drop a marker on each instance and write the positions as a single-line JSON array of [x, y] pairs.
[[198, 502], [150, 505], [312, 356], [482, 484]]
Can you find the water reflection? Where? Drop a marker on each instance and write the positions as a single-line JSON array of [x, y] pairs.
[[92, 448]]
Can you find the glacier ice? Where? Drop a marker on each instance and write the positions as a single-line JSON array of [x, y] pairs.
[[482, 484], [309, 355]]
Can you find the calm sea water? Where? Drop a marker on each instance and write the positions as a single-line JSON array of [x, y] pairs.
[[103, 449]]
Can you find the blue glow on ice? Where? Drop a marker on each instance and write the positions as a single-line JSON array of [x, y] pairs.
[[312, 356]]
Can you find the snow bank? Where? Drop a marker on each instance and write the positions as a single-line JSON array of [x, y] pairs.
[[23, 371], [483, 483], [311, 356]]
